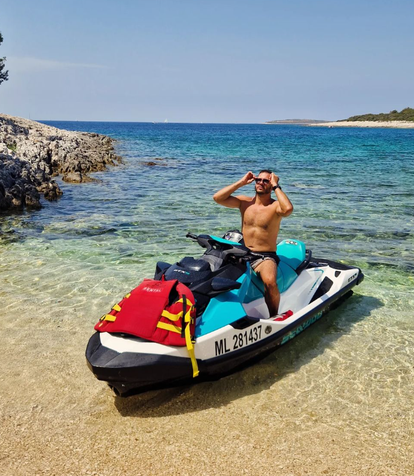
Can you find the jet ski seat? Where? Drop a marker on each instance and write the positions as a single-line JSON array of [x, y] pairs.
[[213, 261], [192, 264]]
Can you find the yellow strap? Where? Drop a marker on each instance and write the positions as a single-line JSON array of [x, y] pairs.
[[108, 317], [189, 303], [117, 307], [175, 317], [187, 317], [169, 327], [171, 316], [188, 342], [187, 334], [127, 296], [190, 348]]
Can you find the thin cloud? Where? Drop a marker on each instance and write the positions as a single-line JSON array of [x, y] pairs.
[[21, 64]]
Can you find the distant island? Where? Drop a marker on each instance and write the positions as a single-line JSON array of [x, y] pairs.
[[403, 119], [394, 119], [406, 114], [295, 121]]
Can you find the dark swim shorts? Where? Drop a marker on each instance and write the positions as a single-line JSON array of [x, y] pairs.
[[263, 256]]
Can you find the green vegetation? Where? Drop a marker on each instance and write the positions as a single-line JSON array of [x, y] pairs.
[[4, 75], [12, 146], [406, 114]]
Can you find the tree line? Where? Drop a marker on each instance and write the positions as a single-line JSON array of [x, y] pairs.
[[406, 114], [4, 74]]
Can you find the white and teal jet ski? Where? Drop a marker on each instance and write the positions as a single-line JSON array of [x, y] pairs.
[[233, 325]]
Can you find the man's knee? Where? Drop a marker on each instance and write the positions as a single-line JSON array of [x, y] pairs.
[[271, 286], [269, 281]]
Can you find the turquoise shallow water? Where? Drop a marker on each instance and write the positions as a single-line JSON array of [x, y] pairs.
[[351, 188]]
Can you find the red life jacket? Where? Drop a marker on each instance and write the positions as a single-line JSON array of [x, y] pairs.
[[159, 311]]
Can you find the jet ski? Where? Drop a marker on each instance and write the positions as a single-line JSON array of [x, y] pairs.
[[228, 326]]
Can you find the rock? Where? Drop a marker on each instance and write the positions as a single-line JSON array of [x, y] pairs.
[[159, 161], [31, 197], [50, 190], [32, 153], [77, 177]]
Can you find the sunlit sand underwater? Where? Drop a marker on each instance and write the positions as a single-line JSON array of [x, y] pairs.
[[336, 400]]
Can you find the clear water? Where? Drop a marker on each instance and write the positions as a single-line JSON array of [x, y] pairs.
[[353, 194]]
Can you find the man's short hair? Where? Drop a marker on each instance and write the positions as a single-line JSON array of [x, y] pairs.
[[266, 170]]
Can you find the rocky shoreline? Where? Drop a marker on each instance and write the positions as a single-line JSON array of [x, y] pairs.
[[31, 154]]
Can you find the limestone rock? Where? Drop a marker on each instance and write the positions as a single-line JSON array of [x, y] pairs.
[[32, 153]]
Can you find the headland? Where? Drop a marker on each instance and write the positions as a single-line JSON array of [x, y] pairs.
[[298, 122], [32, 154], [403, 119]]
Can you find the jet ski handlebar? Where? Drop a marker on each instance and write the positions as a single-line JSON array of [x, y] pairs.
[[211, 242]]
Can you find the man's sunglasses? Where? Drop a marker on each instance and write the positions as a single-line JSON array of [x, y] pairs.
[[265, 181]]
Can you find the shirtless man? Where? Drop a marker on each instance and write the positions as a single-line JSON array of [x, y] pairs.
[[261, 216]]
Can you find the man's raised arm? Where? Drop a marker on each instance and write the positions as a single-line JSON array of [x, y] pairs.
[[283, 205], [224, 196]]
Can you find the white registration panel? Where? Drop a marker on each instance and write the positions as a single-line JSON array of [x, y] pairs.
[[238, 340]]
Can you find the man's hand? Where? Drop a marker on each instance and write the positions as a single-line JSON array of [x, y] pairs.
[[248, 178], [224, 196], [274, 180]]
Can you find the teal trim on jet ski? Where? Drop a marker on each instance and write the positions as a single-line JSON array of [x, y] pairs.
[[286, 276], [221, 311], [228, 307], [222, 240], [292, 252], [256, 291]]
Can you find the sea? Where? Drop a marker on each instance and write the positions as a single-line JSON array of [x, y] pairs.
[[353, 196]]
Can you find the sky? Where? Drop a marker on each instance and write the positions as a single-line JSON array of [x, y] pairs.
[[236, 61]]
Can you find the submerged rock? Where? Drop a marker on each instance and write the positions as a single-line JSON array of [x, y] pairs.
[[159, 161], [31, 154]]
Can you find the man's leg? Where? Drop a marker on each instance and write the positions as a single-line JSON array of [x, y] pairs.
[[267, 270]]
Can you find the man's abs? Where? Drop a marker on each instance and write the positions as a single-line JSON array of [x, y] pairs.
[[260, 227], [259, 241], [261, 238]]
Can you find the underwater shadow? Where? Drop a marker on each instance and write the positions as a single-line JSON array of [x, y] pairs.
[[256, 377]]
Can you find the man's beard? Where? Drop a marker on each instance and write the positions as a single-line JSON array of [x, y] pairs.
[[262, 192]]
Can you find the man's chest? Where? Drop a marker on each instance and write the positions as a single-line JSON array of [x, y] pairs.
[[260, 217]]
